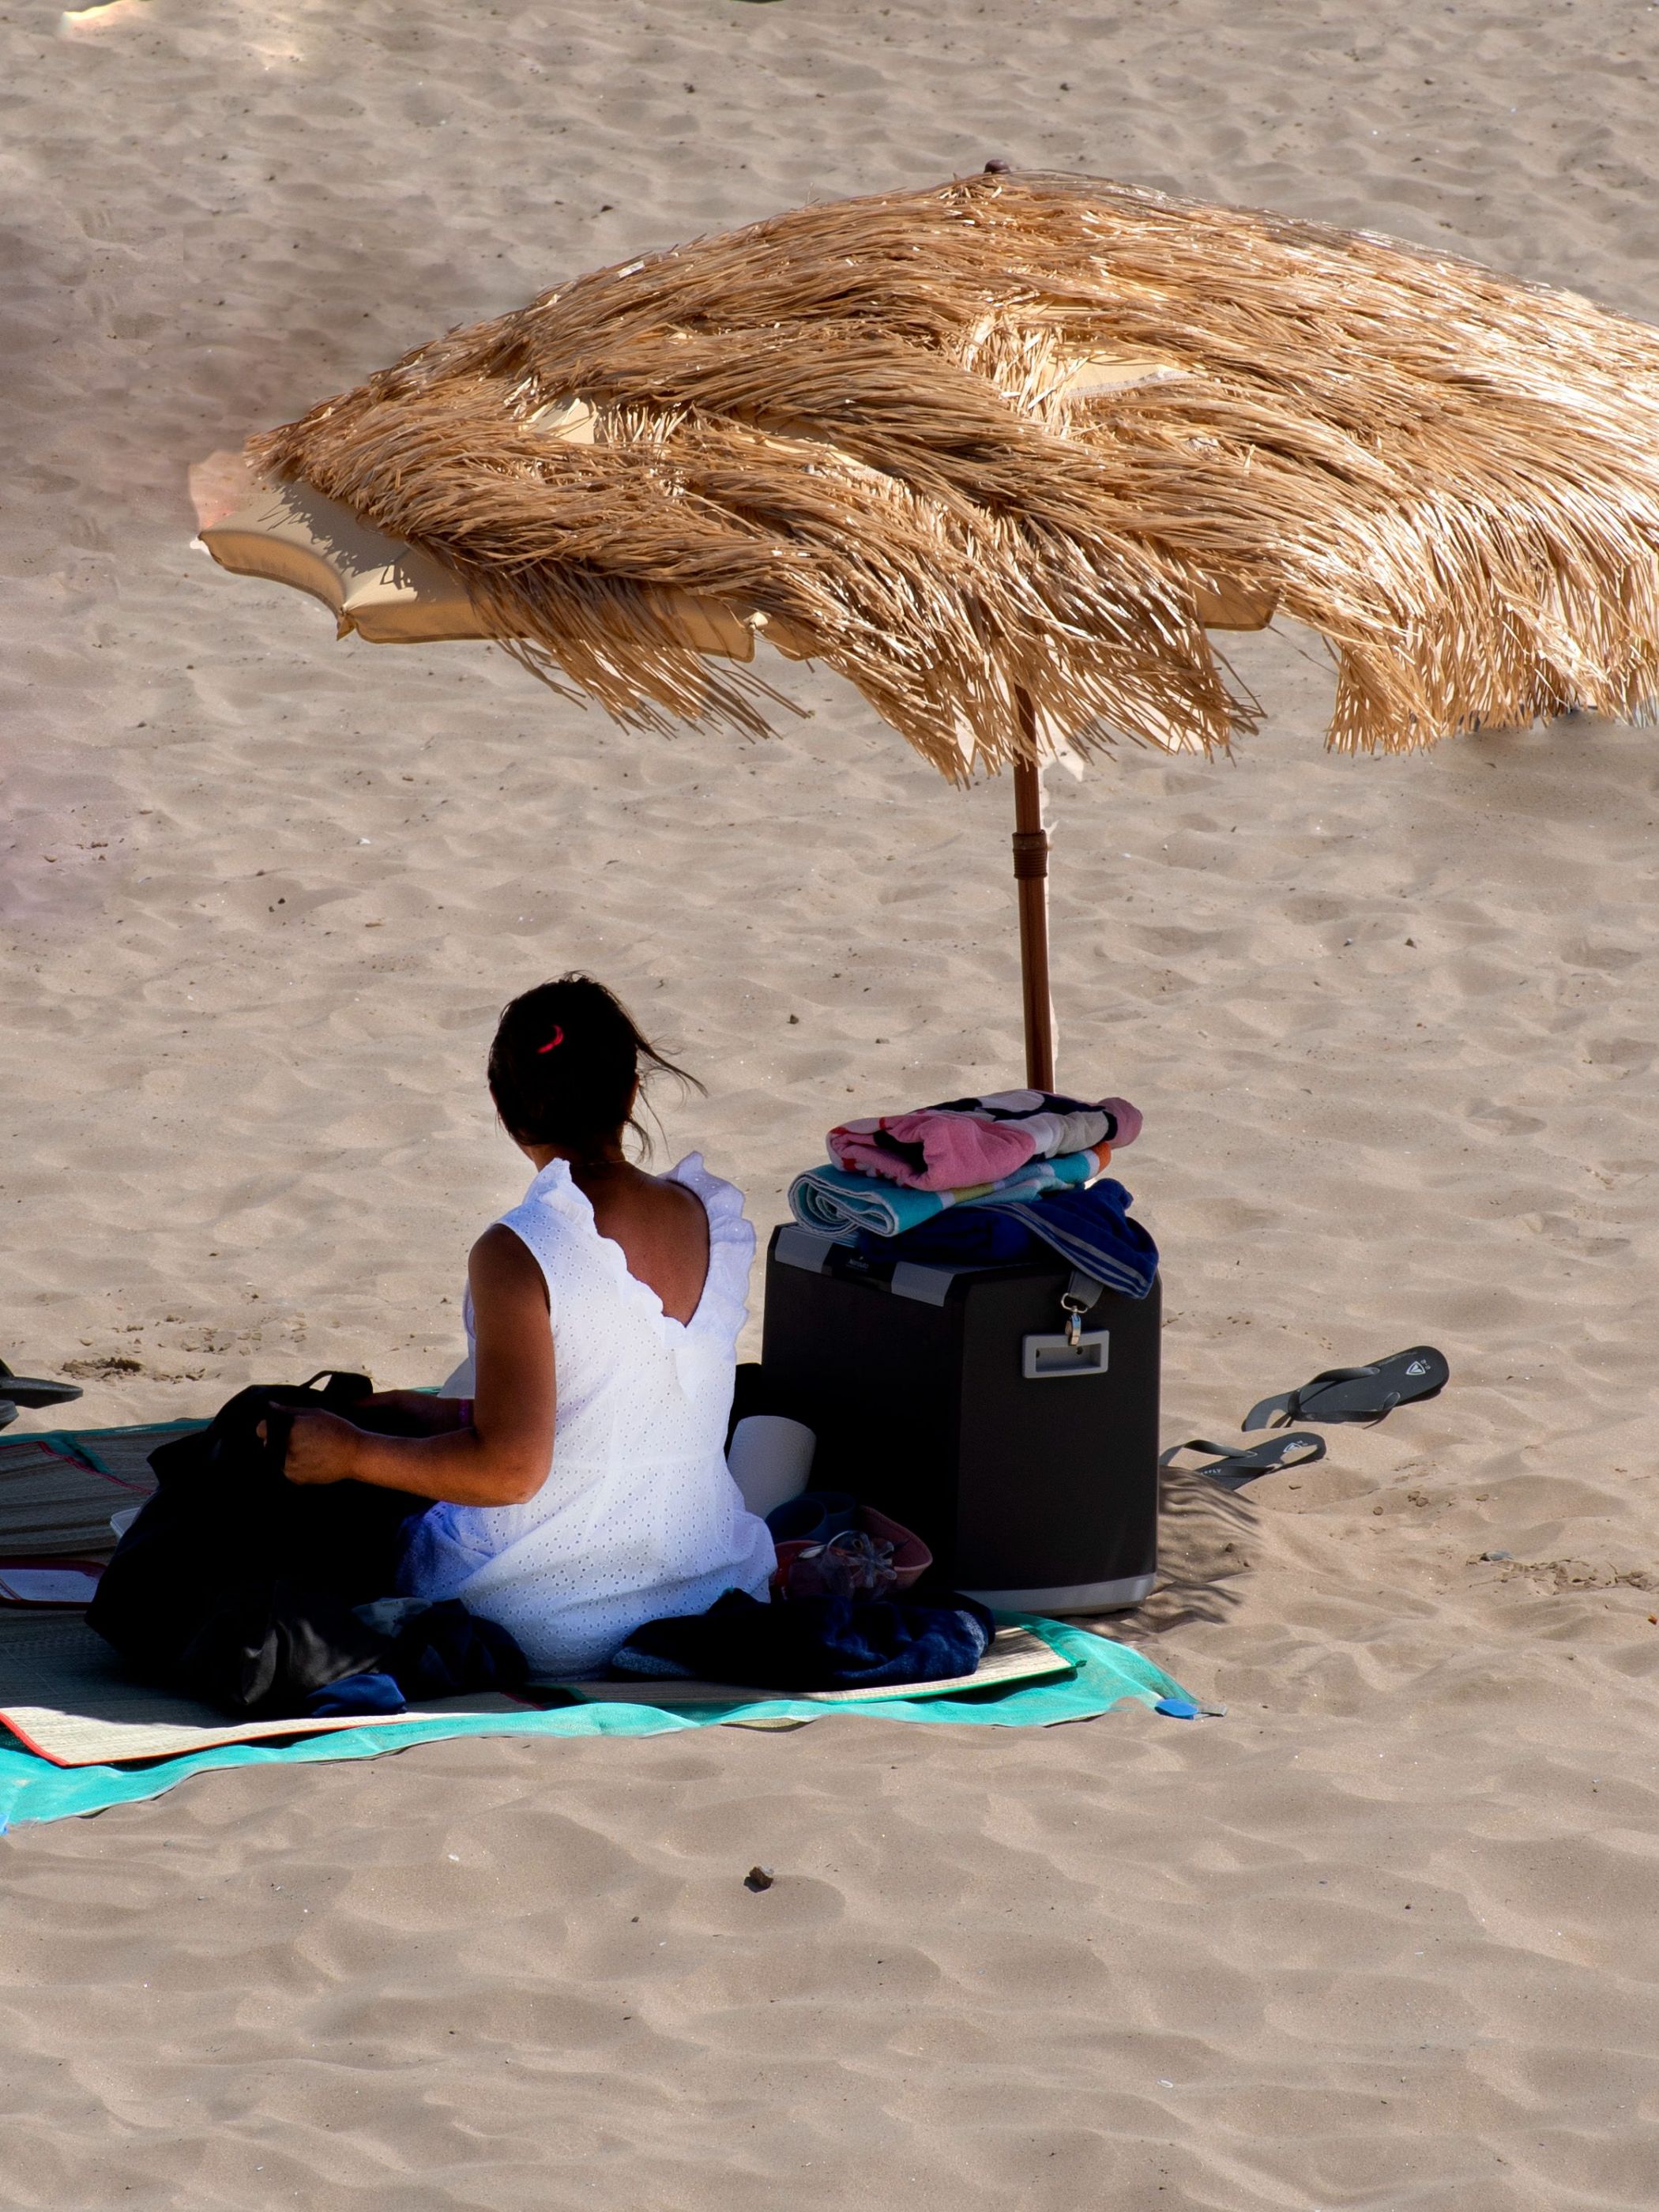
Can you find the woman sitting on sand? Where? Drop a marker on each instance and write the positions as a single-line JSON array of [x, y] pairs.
[[583, 1488]]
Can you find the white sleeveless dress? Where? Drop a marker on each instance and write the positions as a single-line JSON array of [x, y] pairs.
[[638, 1518]]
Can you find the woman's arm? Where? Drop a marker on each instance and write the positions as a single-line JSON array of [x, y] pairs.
[[426, 1413], [503, 1458]]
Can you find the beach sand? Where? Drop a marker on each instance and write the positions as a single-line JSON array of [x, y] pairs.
[[1383, 1936]]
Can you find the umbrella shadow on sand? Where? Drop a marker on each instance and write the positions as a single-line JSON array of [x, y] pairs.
[[1204, 1532]]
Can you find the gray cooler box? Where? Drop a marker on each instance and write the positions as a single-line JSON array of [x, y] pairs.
[[1023, 1453]]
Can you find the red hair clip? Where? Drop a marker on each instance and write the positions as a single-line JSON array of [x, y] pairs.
[[557, 1037]]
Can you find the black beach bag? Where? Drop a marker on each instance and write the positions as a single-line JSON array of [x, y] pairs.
[[237, 1586]]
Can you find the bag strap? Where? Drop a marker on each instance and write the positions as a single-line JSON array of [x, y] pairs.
[[340, 1387], [340, 1391]]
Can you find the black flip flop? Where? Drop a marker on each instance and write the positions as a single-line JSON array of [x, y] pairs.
[[8, 1413], [1233, 1467], [1358, 1394], [30, 1390]]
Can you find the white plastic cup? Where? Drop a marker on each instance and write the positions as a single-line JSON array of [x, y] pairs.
[[770, 1460]]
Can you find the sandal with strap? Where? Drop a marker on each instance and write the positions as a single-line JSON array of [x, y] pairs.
[[1358, 1394], [1234, 1466]]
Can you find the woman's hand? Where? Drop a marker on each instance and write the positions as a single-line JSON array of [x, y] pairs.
[[320, 1448]]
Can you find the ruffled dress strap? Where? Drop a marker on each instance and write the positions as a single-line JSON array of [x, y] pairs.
[[552, 1208], [724, 1306]]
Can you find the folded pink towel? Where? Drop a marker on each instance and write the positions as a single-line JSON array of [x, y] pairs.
[[973, 1140], [930, 1151], [1127, 1118]]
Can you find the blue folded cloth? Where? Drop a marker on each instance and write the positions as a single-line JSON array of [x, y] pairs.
[[433, 1650], [355, 1694], [836, 1201], [442, 1650], [971, 1236], [1090, 1228], [812, 1644]]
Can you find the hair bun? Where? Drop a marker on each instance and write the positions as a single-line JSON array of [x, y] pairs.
[[583, 1101]]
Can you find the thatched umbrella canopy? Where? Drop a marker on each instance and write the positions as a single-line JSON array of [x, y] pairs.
[[999, 452]]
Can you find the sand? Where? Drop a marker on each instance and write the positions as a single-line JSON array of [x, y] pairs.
[[1383, 1936]]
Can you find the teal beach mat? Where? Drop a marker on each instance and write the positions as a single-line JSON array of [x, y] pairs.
[[1104, 1675]]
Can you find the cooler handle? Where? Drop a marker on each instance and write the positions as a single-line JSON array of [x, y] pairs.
[[1049, 1358]]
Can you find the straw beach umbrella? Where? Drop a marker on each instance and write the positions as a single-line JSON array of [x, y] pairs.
[[1001, 452]]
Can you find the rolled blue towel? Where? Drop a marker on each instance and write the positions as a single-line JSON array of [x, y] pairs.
[[837, 1201]]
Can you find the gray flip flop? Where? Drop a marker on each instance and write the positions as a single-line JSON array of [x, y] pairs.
[[1358, 1394], [34, 1391], [1236, 1465]]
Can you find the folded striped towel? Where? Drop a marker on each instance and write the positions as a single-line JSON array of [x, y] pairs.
[[838, 1201]]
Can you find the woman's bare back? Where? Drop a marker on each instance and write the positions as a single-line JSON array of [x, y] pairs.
[[661, 1227]]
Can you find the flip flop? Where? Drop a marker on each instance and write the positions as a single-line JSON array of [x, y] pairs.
[[1233, 1467], [1358, 1394], [29, 1390], [8, 1413]]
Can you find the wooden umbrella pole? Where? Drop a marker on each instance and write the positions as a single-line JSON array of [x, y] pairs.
[[1031, 883]]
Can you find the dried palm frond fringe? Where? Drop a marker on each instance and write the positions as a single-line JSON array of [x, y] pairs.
[[864, 422]]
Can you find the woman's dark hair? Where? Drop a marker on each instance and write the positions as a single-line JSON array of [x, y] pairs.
[[564, 1067]]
